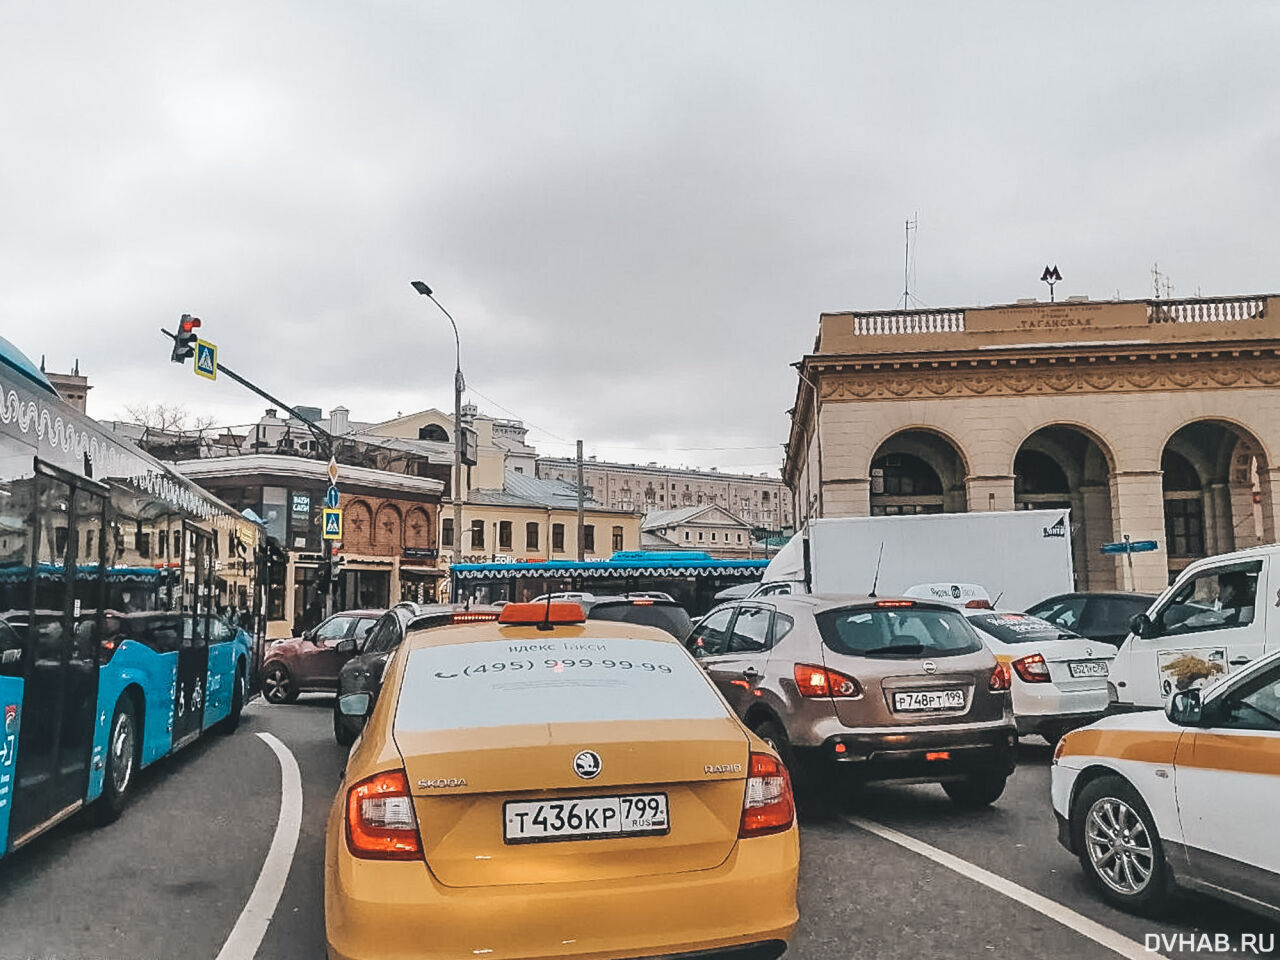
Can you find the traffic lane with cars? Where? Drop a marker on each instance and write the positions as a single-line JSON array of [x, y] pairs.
[[170, 877], [1016, 838]]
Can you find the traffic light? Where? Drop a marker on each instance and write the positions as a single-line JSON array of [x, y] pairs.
[[184, 344]]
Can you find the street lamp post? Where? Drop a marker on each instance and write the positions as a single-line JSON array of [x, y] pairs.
[[458, 386]]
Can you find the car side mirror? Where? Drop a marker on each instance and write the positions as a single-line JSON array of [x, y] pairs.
[[309, 634], [1140, 625], [1185, 708], [345, 646], [355, 705]]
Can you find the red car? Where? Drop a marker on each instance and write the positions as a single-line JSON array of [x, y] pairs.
[[312, 661]]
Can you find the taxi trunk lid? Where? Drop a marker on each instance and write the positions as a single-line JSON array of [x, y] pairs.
[[469, 785]]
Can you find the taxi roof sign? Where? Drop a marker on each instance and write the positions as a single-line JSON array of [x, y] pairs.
[[554, 613], [968, 595]]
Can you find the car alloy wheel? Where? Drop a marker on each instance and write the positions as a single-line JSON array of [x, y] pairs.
[[277, 684], [1119, 846]]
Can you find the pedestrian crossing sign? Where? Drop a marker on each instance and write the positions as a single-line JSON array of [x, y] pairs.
[[331, 528], [206, 359]]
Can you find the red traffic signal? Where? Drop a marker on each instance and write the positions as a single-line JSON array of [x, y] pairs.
[[184, 344]]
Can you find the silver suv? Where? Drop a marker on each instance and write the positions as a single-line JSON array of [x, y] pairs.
[[857, 689]]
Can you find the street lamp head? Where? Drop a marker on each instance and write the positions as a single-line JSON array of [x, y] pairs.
[[421, 287]]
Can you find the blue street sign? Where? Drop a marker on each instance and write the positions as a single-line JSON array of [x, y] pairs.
[[206, 364], [331, 497], [331, 525], [1131, 546]]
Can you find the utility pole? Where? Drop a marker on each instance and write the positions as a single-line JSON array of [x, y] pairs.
[[582, 554]]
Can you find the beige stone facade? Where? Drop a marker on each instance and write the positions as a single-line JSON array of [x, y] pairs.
[[1157, 420], [528, 533]]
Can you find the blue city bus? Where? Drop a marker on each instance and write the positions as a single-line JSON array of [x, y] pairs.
[[127, 610], [691, 577]]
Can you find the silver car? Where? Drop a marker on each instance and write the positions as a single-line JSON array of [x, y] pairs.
[[855, 689]]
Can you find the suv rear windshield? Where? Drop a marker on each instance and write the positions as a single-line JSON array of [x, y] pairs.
[[670, 617], [1018, 627], [897, 632]]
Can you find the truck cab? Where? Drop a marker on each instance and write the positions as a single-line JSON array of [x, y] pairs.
[[1213, 620]]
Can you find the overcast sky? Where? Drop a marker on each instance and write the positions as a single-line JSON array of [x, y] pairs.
[[635, 211]]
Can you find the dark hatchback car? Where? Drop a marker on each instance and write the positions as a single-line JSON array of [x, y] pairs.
[[850, 690], [362, 673], [648, 611], [1097, 615], [312, 661]]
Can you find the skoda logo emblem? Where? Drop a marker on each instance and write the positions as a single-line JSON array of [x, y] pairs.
[[929, 666], [587, 764], [1088, 651]]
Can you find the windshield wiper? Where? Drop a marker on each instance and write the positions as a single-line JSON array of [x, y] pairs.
[[894, 648]]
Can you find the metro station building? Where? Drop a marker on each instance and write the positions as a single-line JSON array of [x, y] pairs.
[[1153, 419]]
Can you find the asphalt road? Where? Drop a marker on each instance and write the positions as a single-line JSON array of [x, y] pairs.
[[171, 877]]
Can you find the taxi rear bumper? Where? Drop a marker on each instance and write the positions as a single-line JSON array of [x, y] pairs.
[[745, 908]]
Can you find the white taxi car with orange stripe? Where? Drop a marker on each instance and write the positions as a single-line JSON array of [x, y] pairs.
[[545, 786], [1187, 797]]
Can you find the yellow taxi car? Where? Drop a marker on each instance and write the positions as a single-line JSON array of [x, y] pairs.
[[547, 787], [1187, 797]]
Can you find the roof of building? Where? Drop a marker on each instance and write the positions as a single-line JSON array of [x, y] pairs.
[[301, 468], [656, 541], [524, 490], [670, 518], [653, 468]]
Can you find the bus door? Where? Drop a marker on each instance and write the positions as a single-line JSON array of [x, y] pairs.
[[57, 714], [193, 656]]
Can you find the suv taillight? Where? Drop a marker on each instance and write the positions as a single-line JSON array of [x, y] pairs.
[[768, 806], [1032, 668], [814, 681], [380, 820], [1000, 679]]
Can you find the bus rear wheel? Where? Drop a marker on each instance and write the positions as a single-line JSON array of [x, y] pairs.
[[121, 763], [232, 719]]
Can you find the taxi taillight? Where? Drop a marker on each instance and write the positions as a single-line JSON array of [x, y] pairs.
[[767, 806], [1032, 668], [380, 820]]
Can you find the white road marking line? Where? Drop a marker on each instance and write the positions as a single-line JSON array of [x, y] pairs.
[[1081, 924], [246, 936]]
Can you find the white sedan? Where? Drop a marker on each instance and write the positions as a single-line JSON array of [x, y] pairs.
[[1188, 797], [1059, 678]]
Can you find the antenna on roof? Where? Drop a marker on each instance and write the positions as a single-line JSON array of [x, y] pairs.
[[908, 226], [876, 579]]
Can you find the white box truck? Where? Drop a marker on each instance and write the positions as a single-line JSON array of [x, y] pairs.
[[1019, 556]]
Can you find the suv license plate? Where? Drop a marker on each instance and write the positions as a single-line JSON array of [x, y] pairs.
[[584, 818], [1088, 668], [929, 700]]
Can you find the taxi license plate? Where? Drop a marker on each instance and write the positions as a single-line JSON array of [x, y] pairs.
[[929, 700], [584, 818], [1088, 668]]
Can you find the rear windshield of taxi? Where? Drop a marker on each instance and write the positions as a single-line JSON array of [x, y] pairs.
[[501, 682], [905, 631], [1019, 628]]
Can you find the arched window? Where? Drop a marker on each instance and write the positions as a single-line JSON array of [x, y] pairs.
[[433, 431], [903, 483], [387, 536], [358, 522]]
